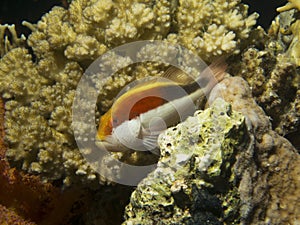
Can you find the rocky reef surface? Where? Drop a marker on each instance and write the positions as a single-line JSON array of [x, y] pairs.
[[221, 167], [235, 162], [194, 177]]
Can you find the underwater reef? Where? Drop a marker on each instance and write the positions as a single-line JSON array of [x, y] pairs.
[[39, 94], [245, 172]]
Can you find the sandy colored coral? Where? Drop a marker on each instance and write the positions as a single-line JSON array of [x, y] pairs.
[[294, 48], [285, 32], [218, 30], [292, 4], [39, 93], [2, 143], [25, 199], [5, 44], [88, 28], [20, 78], [42, 100]]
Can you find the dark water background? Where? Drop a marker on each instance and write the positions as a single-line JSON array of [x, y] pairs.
[[15, 11]]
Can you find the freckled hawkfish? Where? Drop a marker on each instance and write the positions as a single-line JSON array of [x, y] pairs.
[[139, 115]]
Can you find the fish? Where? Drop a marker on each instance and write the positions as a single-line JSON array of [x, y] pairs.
[[154, 106], [145, 96]]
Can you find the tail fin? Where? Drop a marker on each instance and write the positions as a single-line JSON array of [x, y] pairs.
[[212, 74], [218, 68]]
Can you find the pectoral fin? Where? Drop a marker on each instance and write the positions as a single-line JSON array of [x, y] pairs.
[[150, 142]]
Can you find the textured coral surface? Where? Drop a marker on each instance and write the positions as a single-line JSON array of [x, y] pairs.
[[275, 86], [193, 181], [272, 71], [39, 90], [269, 169], [25, 200], [255, 184], [250, 181]]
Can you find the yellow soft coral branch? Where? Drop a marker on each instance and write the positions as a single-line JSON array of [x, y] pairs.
[[291, 5], [5, 44]]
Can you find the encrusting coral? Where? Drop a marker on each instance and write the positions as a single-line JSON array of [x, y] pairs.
[[275, 85], [191, 172], [25, 197], [10, 217], [228, 167], [39, 93], [268, 170]]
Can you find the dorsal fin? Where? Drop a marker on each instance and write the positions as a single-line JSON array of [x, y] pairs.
[[177, 75], [172, 74]]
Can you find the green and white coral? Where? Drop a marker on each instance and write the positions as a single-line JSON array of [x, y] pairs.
[[257, 183], [195, 165], [39, 89]]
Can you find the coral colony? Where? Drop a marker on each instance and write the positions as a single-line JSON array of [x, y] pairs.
[[40, 94], [229, 163]]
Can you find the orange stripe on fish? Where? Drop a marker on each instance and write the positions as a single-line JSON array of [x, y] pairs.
[[107, 121], [142, 98], [155, 98]]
